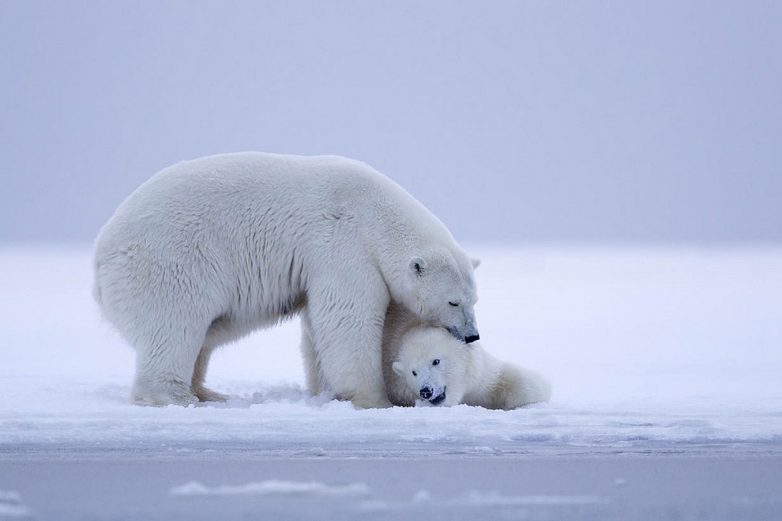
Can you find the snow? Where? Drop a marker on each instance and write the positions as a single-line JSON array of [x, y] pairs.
[[647, 349], [667, 404]]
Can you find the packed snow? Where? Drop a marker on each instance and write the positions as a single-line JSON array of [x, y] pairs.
[[648, 349]]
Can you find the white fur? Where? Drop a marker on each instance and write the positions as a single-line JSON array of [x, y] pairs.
[[466, 373], [211, 249]]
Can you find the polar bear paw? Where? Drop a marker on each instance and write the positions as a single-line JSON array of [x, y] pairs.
[[205, 394], [160, 394], [368, 403]]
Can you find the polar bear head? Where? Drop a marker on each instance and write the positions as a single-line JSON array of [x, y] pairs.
[[441, 292], [432, 365]]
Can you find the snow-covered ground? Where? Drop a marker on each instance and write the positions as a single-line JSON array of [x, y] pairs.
[[651, 351], [643, 346]]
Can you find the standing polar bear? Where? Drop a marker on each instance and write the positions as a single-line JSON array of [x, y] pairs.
[[209, 250], [431, 367]]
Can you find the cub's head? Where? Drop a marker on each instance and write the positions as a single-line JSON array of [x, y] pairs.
[[427, 363], [442, 292]]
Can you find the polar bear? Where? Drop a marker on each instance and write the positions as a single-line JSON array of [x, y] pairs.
[[430, 367], [209, 250]]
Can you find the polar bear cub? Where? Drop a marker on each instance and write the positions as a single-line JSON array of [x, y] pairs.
[[433, 368]]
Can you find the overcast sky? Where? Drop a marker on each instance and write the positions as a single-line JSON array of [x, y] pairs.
[[513, 121]]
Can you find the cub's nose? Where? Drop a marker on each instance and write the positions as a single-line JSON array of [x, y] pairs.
[[426, 393], [472, 338]]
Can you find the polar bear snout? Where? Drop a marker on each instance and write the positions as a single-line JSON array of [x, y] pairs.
[[469, 336], [430, 396], [437, 400]]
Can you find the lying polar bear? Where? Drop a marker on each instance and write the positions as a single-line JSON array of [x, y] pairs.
[[430, 367]]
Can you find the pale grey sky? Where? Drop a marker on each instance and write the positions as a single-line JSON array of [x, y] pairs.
[[511, 120]]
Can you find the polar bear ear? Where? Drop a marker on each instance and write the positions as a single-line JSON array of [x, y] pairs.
[[417, 265], [475, 263], [398, 369]]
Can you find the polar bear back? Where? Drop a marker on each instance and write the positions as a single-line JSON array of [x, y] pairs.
[[205, 215], [227, 194]]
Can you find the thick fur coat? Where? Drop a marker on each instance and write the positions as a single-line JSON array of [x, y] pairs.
[[425, 366], [211, 249]]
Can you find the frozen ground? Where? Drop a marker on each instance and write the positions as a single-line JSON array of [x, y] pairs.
[[665, 363]]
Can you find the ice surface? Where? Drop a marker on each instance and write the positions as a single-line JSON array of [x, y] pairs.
[[12, 507], [645, 348], [482, 498], [273, 486]]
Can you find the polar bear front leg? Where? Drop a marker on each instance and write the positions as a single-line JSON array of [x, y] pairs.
[[347, 337]]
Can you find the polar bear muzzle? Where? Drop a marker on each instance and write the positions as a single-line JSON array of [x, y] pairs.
[[468, 337], [437, 400]]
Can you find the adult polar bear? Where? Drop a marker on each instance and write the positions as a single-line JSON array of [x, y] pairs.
[[208, 250]]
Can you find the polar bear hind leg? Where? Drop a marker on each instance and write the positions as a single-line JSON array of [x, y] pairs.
[[164, 373], [517, 387], [202, 392], [163, 329], [312, 371]]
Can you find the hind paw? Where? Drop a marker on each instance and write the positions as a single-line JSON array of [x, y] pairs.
[[208, 395]]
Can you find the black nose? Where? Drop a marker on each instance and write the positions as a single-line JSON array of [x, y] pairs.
[[470, 339], [426, 393]]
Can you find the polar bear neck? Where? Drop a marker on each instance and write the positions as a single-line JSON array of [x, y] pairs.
[[403, 227]]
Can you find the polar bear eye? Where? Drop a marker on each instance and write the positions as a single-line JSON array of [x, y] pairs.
[[415, 374], [454, 304], [436, 361]]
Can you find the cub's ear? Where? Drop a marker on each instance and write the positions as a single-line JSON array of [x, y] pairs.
[[417, 265], [475, 263], [398, 369]]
